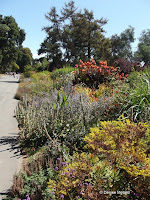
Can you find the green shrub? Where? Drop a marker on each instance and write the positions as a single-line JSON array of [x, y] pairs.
[[28, 71], [58, 73], [138, 96], [33, 178]]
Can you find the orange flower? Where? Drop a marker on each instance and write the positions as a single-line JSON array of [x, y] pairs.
[[112, 68]]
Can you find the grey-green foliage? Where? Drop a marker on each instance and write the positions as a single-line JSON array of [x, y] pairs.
[[60, 118]]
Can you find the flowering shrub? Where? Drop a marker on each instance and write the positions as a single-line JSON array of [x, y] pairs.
[[103, 91], [62, 117], [117, 153], [126, 142], [127, 145], [83, 177], [92, 75]]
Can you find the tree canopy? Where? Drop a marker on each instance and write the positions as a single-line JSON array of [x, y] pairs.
[[121, 44], [72, 35], [11, 39], [143, 51], [24, 58]]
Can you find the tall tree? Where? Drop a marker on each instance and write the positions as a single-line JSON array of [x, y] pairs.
[[51, 45], [103, 50], [67, 34], [73, 35], [11, 37], [143, 51], [121, 45], [24, 58], [94, 31], [82, 34]]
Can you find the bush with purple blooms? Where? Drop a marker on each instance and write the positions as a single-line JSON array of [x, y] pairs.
[[63, 117], [53, 123], [28, 198]]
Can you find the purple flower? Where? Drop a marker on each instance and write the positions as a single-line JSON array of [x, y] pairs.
[[28, 198], [86, 184], [56, 168], [62, 196], [58, 159], [135, 193], [64, 163], [53, 192], [68, 169], [78, 197]]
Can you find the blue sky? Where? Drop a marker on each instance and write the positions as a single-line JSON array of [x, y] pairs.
[[30, 16]]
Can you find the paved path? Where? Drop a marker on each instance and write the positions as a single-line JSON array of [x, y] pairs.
[[10, 158]]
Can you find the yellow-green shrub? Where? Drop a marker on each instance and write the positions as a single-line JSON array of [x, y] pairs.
[[83, 177], [41, 76], [124, 142]]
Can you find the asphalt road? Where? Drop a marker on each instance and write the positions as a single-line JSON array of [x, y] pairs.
[[10, 158]]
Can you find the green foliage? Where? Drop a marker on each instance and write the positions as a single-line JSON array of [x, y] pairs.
[[138, 96], [44, 65], [58, 73], [15, 67], [24, 58], [41, 76], [72, 36], [121, 45], [11, 37], [33, 183], [143, 51], [28, 71]]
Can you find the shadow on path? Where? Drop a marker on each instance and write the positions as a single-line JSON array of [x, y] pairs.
[[6, 195], [9, 81], [12, 141]]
